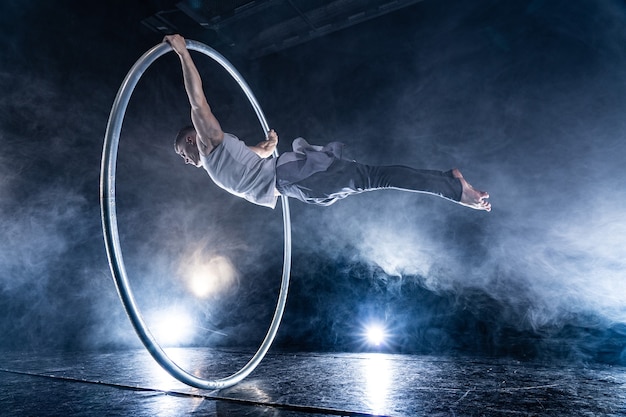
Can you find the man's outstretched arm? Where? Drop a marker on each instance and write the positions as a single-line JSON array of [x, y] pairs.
[[208, 129]]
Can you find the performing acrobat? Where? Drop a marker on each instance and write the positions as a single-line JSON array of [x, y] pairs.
[[312, 174]]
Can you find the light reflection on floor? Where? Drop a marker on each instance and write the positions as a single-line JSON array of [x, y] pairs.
[[305, 384], [377, 372]]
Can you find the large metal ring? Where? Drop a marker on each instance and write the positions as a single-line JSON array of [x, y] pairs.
[[111, 235]]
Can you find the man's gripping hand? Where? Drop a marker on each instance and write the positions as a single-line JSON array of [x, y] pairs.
[[266, 148], [177, 43], [272, 137]]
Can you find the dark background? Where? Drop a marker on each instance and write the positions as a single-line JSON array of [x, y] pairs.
[[526, 97]]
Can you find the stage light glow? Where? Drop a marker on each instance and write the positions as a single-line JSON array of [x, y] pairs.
[[173, 326], [210, 277], [375, 334]]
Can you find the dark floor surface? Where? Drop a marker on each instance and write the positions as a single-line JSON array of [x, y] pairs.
[[130, 383]]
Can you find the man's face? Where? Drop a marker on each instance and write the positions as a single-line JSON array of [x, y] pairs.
[[188, 150]]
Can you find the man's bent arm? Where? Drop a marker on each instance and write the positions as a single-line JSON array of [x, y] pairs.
[[208, 129]]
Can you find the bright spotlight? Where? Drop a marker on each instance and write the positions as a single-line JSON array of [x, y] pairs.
[[375, 334], [210, 277], [173, 326]]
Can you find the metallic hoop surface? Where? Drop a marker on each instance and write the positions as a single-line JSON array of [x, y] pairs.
[[111, 234]]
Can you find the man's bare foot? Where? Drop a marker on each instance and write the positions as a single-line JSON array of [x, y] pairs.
[[470, 197]]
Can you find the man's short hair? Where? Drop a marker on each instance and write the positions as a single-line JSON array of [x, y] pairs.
[[182, 133]]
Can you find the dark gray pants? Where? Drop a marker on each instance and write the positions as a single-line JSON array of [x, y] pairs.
[[344, 178]]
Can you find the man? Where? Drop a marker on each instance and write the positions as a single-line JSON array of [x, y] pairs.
[[312, 174]]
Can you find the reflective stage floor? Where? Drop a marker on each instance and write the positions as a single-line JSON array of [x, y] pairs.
[[130, 383]]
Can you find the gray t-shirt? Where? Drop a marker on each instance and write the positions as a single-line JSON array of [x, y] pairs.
[[241, 172]]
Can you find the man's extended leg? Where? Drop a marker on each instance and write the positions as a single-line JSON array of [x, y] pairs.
[[344, 178]]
